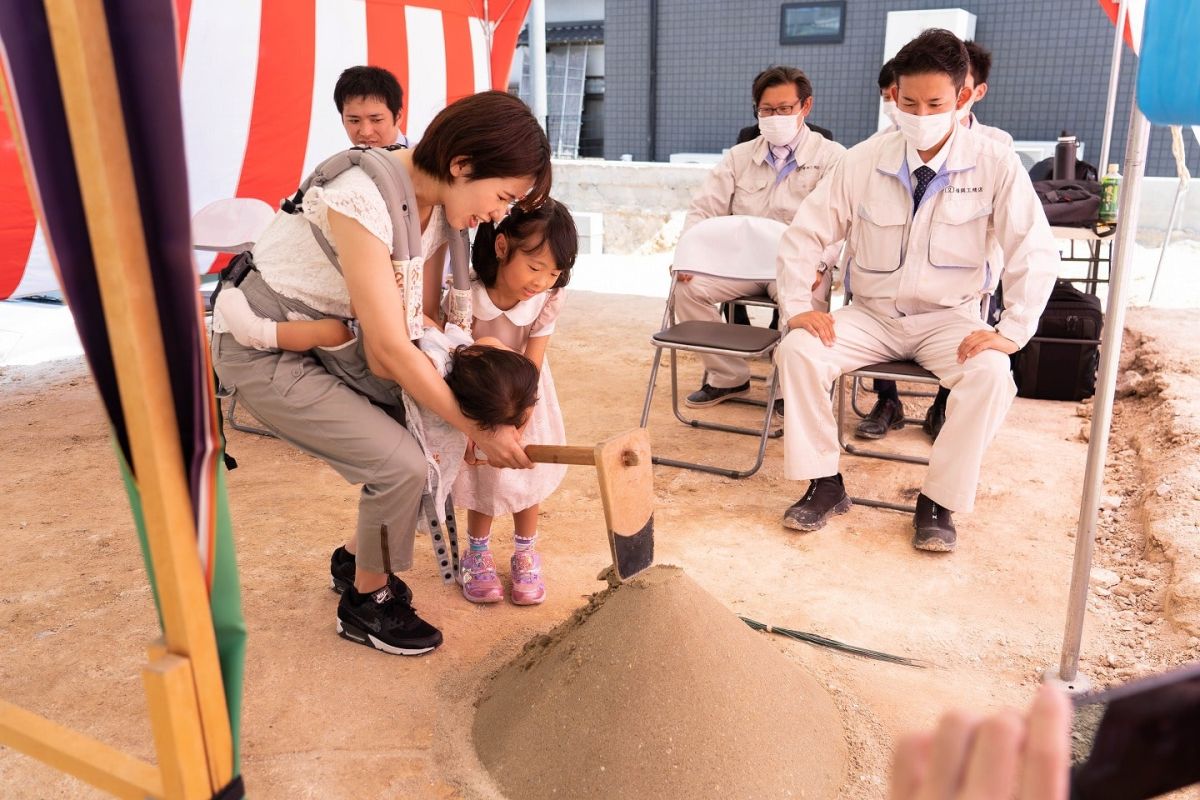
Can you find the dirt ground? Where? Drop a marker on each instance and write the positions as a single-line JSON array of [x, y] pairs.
[[326, 719]]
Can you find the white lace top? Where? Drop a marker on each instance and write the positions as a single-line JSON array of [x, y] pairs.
[[436, 232], [293, 264]]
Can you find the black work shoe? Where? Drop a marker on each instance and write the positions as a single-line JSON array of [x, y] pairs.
[[341, 574], [825, 498], [933, 527], [886, 415], [935, 417], [710, 395], [341, 570], [385, 621]]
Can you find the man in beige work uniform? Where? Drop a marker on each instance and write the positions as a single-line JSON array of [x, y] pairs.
[[924, 207], [766, 177]]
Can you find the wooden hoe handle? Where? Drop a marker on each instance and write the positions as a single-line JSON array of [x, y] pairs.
[[561, 454]]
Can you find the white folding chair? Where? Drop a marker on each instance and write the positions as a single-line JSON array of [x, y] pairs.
[[740, 248], [231, 225]]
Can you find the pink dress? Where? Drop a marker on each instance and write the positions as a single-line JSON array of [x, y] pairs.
[[494, 491]]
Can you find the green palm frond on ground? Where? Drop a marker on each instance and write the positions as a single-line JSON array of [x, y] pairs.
[[833, 644]]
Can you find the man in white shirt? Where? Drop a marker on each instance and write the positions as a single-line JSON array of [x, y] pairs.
[[923, 208], [888, 413], [766, 177], [369, 100], [977, 82], [887, 82]]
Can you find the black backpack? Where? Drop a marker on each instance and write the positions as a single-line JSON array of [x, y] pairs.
[[1060, 361], [1044, 171], [1072, 204]]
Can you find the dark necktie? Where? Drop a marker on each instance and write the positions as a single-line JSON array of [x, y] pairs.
[[923, 175]]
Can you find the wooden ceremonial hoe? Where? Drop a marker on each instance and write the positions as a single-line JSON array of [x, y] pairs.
[[626, 478]]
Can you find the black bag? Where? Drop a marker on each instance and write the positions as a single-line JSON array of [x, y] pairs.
[[1044, 171], [1062, 370], [1072, 204]]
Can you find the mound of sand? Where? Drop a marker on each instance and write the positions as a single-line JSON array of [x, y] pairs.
[[655, 690]]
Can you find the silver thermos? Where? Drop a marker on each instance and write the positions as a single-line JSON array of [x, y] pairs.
[[1064, 157]]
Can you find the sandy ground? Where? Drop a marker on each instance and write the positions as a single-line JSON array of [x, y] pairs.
[[327, 719]]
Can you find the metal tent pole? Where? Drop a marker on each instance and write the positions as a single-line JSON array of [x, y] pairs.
[[1180, 192], [1114, 74], [1185, 177], [1110, 354], [537, 59]]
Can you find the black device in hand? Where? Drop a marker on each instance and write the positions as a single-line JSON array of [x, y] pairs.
[[1148, 741]]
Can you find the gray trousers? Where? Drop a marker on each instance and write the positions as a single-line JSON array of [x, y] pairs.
[[328, 404]]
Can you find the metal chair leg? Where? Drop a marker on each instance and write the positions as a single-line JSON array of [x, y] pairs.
[[857, 450], [677, 410], [764, 433], [231, 417], [650, 388], [839, 387], [884, 504]]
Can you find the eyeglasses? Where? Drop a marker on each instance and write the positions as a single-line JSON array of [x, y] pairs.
[[767, 111]]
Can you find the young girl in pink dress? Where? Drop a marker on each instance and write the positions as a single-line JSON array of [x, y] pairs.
[[521, 266]]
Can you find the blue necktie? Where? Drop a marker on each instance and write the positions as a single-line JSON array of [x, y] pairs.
[[923, 175]]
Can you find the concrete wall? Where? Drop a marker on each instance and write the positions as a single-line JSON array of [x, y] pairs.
[[643, 203], [1050, 71], [636, 199]]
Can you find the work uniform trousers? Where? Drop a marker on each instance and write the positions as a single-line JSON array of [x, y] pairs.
[[698, 300], [982, 390], [328, 404]]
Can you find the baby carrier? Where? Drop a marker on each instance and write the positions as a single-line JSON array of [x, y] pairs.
[[396, 187], [442, 445]]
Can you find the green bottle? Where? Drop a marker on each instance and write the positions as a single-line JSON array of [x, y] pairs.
[[1110, 193]]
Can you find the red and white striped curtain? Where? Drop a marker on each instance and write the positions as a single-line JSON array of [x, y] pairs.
[[257, 93]]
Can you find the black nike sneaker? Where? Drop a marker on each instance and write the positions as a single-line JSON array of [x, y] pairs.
[[341, 574], [384, 620]]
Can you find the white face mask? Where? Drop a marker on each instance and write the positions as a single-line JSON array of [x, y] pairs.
[[778, 129], [923, 132], [889, 109]]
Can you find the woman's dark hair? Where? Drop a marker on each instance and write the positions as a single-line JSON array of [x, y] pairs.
[[498, 136], [493, 386], [780, 76], [981, 61], [887, 75], [550, 224], [374, 82], [935, 50]]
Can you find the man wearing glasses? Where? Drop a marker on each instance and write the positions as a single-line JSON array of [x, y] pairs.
[[768, 176]]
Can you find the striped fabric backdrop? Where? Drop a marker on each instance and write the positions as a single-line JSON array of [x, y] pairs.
[[257, 94]]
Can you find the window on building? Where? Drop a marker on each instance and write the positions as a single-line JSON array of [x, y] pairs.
[[812, 23]]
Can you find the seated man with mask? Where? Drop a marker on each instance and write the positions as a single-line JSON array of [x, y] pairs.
[[925, 208], [768, 176]]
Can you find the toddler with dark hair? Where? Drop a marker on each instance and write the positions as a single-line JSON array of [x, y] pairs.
[[493, 385]]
